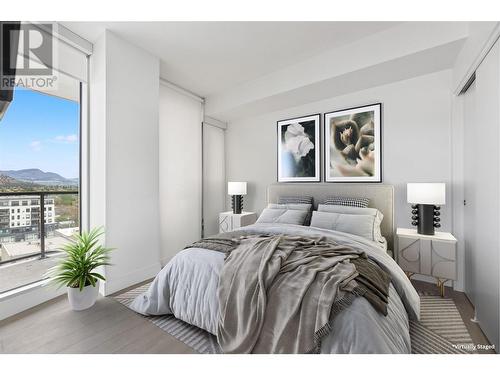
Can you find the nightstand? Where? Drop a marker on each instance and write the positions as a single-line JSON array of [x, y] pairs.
[[229, 221], [434, 256]]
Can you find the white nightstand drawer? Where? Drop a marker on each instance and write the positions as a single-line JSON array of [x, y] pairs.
[[443, 260], [427, 255], [409, 254], [229, 221]]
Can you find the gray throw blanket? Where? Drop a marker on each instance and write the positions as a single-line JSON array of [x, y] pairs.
[[376, 283], [223, 245], [311, 278]]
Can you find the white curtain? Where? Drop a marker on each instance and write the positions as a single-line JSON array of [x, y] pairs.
[[69, 64], [214, 177], [180, 126]]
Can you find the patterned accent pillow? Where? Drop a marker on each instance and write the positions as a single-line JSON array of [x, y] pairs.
[[295, 199], [347, 201]]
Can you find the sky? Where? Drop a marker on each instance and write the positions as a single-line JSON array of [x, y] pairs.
[[40, 131]]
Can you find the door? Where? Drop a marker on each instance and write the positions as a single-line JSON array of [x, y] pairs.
[[214, 177], [469, 99], [482, 187]]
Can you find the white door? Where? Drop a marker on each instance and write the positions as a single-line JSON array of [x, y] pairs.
[[482, 187], [469, 192], [214, 178]]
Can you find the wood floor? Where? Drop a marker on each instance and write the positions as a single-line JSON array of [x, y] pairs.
[[110, 327]]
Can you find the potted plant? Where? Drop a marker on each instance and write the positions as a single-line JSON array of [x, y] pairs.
[[77, 271]]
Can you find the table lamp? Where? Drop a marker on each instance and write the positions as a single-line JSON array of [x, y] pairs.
[[237, 190], [426, 199]]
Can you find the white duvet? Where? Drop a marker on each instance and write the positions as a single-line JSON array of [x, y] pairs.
[[187, 288]]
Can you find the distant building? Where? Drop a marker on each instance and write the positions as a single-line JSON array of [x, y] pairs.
[[20, 216]]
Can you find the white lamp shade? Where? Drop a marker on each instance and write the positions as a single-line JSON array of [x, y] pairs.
[[426, 193], [237, 188]]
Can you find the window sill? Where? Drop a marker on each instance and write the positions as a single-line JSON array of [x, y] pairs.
[[26, 297], [22, 290]]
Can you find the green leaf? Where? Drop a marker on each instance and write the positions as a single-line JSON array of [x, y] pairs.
[[82, 255]]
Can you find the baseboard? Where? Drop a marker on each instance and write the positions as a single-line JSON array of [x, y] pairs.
[[138, 275]]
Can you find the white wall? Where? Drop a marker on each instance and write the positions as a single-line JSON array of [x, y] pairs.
[[124, 157], [179, 171], [416, 145]]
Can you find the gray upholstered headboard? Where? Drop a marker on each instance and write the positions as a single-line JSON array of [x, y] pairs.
[[381, 197]]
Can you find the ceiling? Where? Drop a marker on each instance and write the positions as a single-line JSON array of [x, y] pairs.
[[210, 57]]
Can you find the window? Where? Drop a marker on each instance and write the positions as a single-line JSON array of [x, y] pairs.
[[40, 149]]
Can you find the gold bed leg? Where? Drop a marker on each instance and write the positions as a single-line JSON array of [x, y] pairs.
[[440, 284], [409, 274]]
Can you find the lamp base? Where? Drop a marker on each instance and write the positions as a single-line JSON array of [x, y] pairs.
[[425, 219], [237, 204]]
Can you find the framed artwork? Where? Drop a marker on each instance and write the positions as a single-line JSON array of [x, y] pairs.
[[299, 149], [353, 144]]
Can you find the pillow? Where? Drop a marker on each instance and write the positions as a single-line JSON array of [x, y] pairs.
[[292, 206], [377, 233], [347, 201], [296, 206], [350, 210], [283, 216], [360, 225], [295, 199]]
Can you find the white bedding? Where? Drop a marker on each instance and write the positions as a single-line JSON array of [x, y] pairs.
[[187, 288]]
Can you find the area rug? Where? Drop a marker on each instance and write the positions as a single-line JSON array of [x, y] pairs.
[[441, 329], [198, 339]]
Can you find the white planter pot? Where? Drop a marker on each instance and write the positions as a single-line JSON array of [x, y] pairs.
[[81, 300]]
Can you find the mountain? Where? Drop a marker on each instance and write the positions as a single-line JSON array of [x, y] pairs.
[[9, 182], [40, 177]]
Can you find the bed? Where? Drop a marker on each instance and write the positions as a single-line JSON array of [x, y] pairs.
[[187, 286]]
